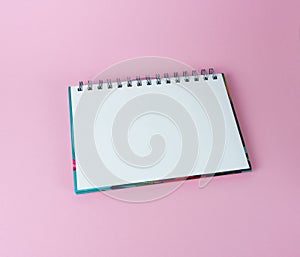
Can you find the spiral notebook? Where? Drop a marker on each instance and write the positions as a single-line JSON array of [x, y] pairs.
[[153, 130]]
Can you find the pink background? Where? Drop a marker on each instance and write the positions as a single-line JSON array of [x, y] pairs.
[[47, 45]]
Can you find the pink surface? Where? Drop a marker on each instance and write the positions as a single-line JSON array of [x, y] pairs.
[[47, 45]]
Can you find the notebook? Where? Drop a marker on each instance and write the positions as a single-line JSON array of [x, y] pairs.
[[143, 131]]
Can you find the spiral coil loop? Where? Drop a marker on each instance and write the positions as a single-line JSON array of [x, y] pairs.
[[129, 82], [100, 84], [167, 78], [157, 79], [139, 81]]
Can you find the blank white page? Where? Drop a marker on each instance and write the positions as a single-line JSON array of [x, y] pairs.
[[136, 134]]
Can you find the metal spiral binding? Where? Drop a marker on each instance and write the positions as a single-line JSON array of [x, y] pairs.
[[195, 75], [80, 88], [186, 77], [119, 83], [100, 84], [90, 85], [211, 71], [167, 78], [109, 84], [148, 79], [157, 80], [177, 79], [204, 74], [129, 82]]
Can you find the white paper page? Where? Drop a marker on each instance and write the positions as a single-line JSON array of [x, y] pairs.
[[153, 132]]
